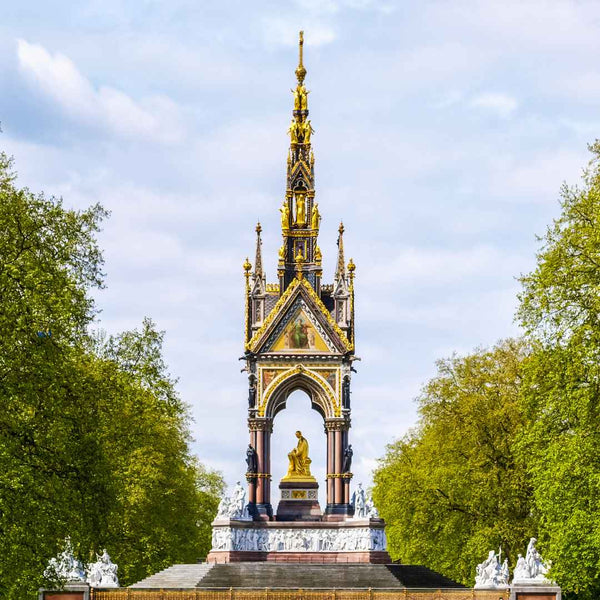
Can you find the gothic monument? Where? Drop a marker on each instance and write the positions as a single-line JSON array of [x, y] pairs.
[[299, 335]]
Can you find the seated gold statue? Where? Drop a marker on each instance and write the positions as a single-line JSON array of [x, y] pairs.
[[299, 467]]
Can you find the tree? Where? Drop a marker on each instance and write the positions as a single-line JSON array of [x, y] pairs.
[[560, 309], [452, 489], [94, 440]]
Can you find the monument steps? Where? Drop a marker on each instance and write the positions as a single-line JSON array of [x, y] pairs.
[[304, 576], [176, 576]]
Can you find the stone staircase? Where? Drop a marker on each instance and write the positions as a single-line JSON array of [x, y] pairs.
[[305, 576], [176, 576]]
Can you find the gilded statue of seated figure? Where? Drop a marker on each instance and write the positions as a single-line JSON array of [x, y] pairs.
[[299, 467]]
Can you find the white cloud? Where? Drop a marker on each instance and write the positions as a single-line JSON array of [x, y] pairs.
[[155, 118], [501, 104]]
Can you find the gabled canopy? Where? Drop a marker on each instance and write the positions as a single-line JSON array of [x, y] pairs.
[[299, 323]]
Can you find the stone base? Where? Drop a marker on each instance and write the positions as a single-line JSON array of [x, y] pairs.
[[534, 591], [299, 501], [376, 558], [321, 542]]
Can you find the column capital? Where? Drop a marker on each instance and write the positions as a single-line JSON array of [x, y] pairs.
[[337, 424], [258, 424]]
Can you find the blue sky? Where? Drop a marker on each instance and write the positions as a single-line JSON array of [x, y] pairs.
[[443, 133]]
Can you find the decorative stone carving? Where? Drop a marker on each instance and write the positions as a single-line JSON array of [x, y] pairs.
[[371, 509], [298, 540], [532, 569], [65, 568], [359, 503], [102, 573], [490, 575], [234, 507]]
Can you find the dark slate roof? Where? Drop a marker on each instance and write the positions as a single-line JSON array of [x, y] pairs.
[[270, 302]]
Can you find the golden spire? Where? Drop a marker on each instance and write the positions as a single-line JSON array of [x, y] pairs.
[[247, 267], [351, 269], [300, 71]]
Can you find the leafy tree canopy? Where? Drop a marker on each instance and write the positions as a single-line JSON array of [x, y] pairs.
[[93, 435]]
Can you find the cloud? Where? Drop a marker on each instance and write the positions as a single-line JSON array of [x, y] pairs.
[[501, 104], [155, 118]]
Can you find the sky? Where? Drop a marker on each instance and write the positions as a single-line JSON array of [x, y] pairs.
[[444, 131]]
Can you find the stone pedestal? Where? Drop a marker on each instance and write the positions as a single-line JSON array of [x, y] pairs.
[[299, 501], [531, 590], [72, 591], [352, 541]]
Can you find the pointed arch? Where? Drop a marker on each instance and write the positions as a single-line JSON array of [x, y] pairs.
[[322, 397]]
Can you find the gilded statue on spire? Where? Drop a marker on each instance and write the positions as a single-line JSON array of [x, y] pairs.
[[293, 131], [315, 217], [285, 216], [300, 209], [300, 97]]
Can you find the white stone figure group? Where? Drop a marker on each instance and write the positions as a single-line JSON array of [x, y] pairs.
[[298, 540], [532, 568], [234, 507], [65, 569], [490, 574], [529, 570], [103, 572], [363, 505]]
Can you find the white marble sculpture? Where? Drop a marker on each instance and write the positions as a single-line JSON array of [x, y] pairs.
[[298, 540], [103, 572], [359, 503], [372, 512], [532, 569], [490, 575], [234, 507], [65, 568]]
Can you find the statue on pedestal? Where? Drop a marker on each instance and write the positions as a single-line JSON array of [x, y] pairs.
[[532, 568], [102, 573], [299, 467], [490, 575], [359, 503], [65, 568]]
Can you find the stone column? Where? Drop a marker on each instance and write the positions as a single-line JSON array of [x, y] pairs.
[[251, 477], [262, 428], [260, 450], [338, 487], [339, 457], [330, 465]]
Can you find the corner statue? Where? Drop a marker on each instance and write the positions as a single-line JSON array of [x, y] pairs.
[[299, 467]]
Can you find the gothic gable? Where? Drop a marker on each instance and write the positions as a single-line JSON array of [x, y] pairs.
[[299, 323]]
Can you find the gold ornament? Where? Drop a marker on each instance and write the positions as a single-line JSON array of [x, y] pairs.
[[299, 467]]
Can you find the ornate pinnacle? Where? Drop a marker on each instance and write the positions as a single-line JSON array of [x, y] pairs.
[[247, 267], [340, 270], [258, 262], [300, 71], [351, 269]]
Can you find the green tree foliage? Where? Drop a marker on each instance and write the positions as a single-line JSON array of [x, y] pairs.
[[451, 489], [560, 308], [93, 436], [507, 442]]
